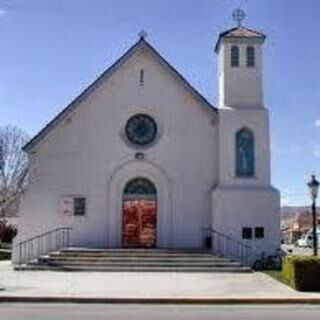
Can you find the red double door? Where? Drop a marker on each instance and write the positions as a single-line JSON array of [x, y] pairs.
[[139, 224]]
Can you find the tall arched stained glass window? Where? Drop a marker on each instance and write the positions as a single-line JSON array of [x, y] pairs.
[[235, 56], [245, 153]]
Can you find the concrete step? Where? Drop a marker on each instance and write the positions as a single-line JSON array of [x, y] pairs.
[[134, 259], [133, 254], [36, 267], [143, 264], [137, 260], [134, 251]]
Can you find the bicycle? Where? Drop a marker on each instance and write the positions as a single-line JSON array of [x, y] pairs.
[[269, 262]]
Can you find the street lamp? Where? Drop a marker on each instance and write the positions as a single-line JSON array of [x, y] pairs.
[[313, 185]]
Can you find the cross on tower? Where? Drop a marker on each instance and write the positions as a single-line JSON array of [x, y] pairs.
[[238, 15]]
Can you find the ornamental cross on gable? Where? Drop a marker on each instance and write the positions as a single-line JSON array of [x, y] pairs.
[[238, 16], [143, 34]]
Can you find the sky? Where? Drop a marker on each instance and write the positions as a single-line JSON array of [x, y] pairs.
[[50, 50]]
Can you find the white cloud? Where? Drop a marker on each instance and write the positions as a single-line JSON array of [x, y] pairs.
[[3, 12], [285, 201], [288, 150], [314, 148], [317, 123], [285, 196], [293, 196], [316, 151]]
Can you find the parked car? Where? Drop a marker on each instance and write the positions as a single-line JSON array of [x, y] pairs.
[[304, 241], [307, 239]]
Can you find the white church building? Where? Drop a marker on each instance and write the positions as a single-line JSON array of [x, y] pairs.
[[142, 160]]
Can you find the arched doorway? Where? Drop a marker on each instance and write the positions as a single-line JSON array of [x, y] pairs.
[[139, 214]]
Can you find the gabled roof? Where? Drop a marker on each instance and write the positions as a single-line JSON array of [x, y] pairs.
[[240, 32], [141, 44]]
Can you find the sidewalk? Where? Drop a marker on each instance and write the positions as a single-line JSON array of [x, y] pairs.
[[141, 286]]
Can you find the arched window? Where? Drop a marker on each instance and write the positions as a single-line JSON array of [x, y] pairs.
[[250, 57], [140, 186], [245, 153], [235, 55]]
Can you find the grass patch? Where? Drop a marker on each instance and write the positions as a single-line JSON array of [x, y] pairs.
[[277, 275], [301, 273]]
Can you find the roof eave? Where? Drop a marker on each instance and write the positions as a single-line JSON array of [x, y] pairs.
[[81, 97], [224, 35]]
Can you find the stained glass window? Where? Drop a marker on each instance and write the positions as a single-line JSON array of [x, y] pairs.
[[245, 153], [141, 130], [140, 186]]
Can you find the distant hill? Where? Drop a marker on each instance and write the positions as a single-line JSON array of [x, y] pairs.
[[288, 212]]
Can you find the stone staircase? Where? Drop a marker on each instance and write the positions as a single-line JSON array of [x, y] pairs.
[[135, 260]]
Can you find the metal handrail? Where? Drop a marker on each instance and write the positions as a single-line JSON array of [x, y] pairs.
[[44, 243], [226, 246]]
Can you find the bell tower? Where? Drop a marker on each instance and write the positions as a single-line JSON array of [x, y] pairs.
[[244, 144], [240, 67], [244, 203]]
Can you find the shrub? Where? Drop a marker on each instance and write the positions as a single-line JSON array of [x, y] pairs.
[[5, 255], [7, 232], [302, 272]]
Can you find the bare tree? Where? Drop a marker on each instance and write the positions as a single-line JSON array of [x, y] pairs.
[[13, 168]]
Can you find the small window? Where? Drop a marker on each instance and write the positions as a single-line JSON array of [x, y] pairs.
[[235, 56], [79, 206], [141, 78], [259, 232], [250, 57], [246, 233]]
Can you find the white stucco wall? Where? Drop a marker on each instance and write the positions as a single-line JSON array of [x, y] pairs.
[[240, 86], [230, 122], [86, 155], [237, 207]]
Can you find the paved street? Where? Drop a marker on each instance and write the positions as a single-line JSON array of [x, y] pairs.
[[155, 312]]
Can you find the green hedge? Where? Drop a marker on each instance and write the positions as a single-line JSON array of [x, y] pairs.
[[302, 272], [5, 255], [7, 232]]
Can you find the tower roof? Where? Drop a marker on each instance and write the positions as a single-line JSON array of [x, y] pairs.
[[240, 33]]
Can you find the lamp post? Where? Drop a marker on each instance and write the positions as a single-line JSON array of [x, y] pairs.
[[313, 185]]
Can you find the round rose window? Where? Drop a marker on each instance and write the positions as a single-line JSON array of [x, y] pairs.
[[141, 130]]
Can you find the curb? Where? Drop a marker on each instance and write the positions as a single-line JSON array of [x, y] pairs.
[[194, 301]]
